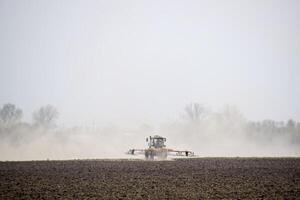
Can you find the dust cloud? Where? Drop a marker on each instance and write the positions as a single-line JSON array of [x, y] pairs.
[[208, 133]]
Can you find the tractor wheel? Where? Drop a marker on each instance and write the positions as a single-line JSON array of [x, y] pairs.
[[164, 155], [152, 156]]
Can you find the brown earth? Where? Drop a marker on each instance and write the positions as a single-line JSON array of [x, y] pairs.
[[203, 178]]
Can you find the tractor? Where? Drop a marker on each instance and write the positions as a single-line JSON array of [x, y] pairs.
[[157, 148]]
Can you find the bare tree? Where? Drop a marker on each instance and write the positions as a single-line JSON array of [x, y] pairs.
[[194, 111], [10, 113], [232, 116], [291, 125], [45, 116]]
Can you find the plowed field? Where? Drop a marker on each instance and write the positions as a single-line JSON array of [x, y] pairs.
[[203, 178]]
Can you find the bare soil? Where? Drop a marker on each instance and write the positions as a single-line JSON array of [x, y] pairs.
[[203, 178]]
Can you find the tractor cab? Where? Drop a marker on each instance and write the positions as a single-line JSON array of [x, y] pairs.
[[156, 141]]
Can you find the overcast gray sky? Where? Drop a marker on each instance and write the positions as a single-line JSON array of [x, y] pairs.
[[112, 61]]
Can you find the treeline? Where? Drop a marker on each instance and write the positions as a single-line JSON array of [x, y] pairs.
[[231, 117], [199, 123], [196, 121], [44, 116], [12, 126]]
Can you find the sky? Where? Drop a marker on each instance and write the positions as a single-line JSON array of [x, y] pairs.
[[102, 62]]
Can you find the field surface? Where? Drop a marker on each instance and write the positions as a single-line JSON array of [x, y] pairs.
[[203, 178]]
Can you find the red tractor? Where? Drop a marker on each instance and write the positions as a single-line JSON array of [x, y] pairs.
[[157, 148]]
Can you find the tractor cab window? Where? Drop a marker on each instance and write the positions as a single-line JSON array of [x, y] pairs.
[[158, 142]]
